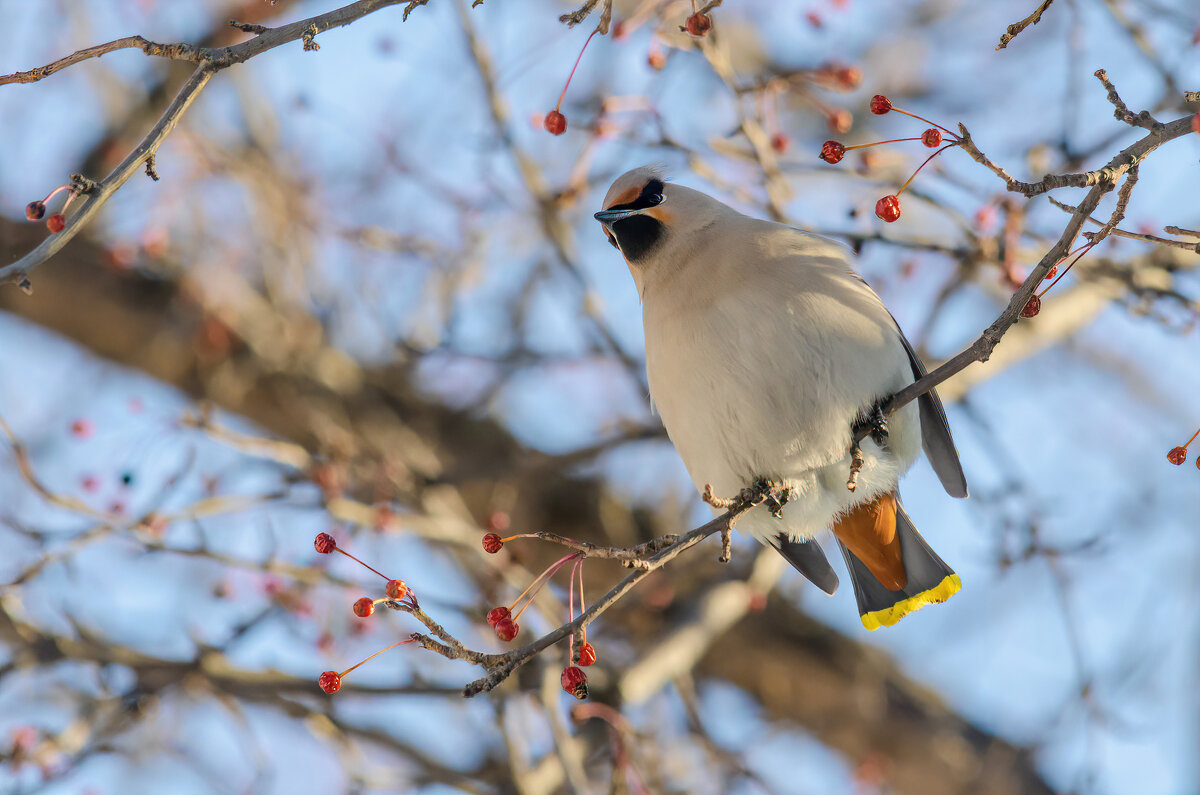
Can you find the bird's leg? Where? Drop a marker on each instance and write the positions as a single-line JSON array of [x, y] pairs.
[[856, 465]]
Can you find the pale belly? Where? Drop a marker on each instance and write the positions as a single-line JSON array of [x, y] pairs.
[[768, 387]]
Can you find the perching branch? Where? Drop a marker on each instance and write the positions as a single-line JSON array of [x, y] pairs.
[[1101, 181], [651, 556]]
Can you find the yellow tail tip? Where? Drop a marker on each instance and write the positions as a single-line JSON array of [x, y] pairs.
[[888, 616]]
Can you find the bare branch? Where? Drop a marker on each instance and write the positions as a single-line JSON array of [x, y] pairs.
[[1015, 28], [211, 61]]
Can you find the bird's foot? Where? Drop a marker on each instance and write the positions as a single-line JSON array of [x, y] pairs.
[[875, 422]]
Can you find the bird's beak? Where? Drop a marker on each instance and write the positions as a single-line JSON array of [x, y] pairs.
[[609, 217]]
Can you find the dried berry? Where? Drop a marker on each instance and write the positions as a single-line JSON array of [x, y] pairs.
[[698, 24], [832, 152], [56, 223], [1052, 272], [587, 655], [574, 681], [888, 208], [880, 104], [496, 614], [492, 543], [396, 589], [932, 137], [330, 682], [82, 428], [1196, 124], [780, 142], [364, 607], [1032, 307], [555, 123], [35, 211], [507, 629], [1178, 455], [324, 543]]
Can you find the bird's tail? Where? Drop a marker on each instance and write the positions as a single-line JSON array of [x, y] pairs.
[[893, 570]]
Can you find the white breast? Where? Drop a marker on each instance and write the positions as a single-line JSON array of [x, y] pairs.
[[760, 369]]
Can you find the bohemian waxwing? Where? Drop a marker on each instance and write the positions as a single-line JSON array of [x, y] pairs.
[[763, 349]]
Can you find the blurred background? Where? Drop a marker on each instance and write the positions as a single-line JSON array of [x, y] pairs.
[[367, 297]]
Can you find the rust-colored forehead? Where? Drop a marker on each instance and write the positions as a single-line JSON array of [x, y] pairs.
[[626, 196]]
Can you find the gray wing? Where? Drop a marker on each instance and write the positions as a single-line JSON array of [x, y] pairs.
[[935, 431]]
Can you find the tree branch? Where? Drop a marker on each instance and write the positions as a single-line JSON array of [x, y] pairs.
[[211, 60]]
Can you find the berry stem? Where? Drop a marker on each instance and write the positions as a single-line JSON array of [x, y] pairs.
[[1085, 248], [55, 192], [918, 171], [538, 583], [927, 121], [1184, 445], [373, 656], [880, 143], [558, 105], [356, 560]]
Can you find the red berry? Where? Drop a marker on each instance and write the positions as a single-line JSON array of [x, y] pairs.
[[1196, 124], [932, 137], [81, 428], [396, 589], [780, 142], [507, 629], [330, 682], [618, 30], [814, 19], [498, 521], [840, 121], [35, 210], [832, 152], [1177, 455], [492, 543], [1052, 272], [56, 223], [90, 483], [656, 60], [1032, 307], [698, 24], [888, 208], [574, 681], [324, 543], [587, 655], [880, 104], [496, 615], [555, 123], [364, 607]]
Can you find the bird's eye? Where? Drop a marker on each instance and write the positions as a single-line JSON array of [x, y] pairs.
[[654, 198]]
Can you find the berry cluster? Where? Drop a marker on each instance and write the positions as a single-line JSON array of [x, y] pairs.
[[1177, 455], [888, 208], [36, 210], [395, 590], [503, 620]]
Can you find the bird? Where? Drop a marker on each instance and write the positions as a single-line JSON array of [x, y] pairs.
[[765, 350]]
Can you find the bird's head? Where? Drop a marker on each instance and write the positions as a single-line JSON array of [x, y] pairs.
[[651, 220]]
